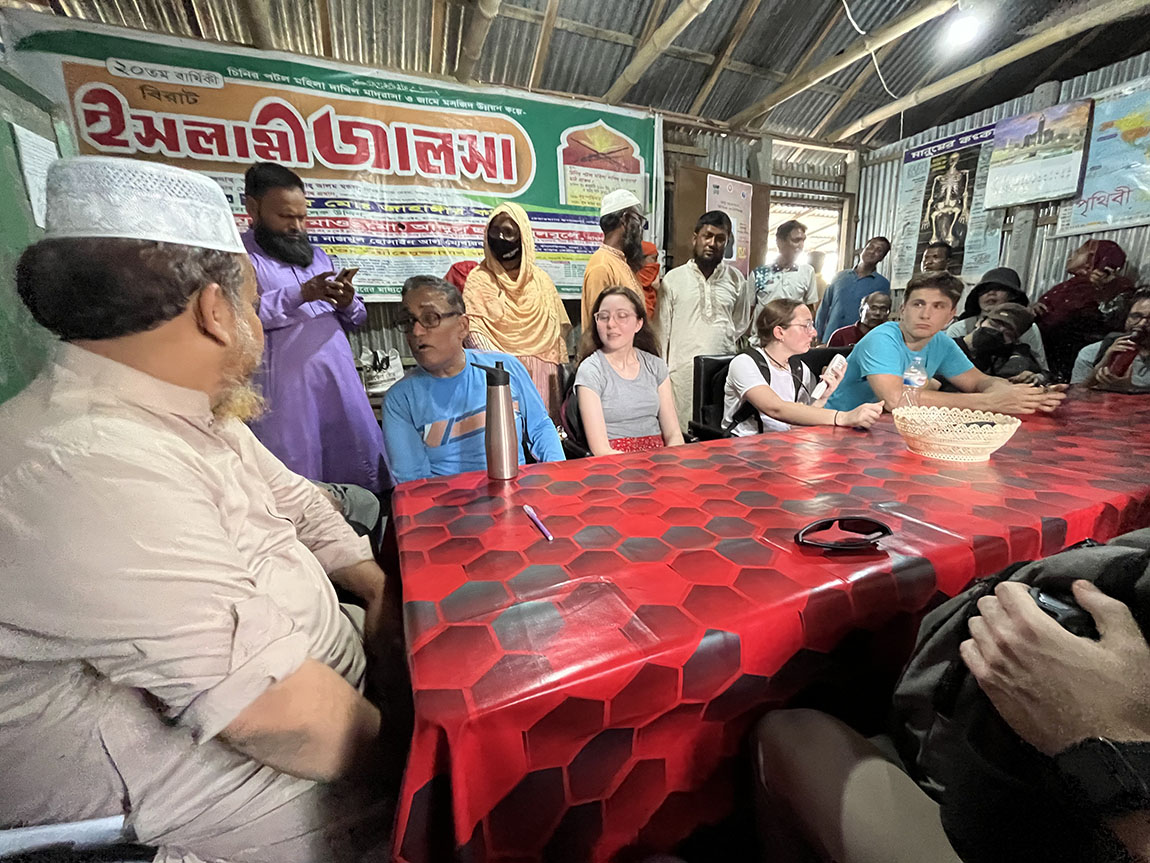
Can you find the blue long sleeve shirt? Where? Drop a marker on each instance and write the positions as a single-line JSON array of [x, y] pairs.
[[435, 426], [840, 305]]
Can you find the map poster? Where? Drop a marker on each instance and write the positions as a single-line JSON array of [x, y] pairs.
[[1039, 156], [734, 199], [1116, 186], [941, 194]]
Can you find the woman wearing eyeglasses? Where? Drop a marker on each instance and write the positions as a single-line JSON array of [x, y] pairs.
[[624, 391], [786, 329]]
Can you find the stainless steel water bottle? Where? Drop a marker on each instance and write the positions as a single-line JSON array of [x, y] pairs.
[[501, 439]]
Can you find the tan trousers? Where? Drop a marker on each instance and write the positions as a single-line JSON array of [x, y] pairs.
[[825, 785]]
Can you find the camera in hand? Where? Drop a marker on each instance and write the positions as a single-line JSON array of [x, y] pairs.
[[1073, 617]]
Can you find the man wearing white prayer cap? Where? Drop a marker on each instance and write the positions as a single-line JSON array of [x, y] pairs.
[[620, 254], [171, 645]]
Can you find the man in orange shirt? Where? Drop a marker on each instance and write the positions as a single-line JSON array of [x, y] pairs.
[[621, 252]]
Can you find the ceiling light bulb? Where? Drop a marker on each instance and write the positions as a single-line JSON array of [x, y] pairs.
[[963, 30]]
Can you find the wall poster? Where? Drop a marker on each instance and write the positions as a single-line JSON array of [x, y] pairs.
[[941, 194], [734, 199], [1116, 184], [1039, 156]]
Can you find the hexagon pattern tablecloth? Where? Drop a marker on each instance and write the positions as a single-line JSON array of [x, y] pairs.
[[577, 696]]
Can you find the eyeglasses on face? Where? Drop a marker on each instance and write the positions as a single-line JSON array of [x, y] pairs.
[[621, 316], [428, 320], [809, 325], [1134, 319], [635, 217]]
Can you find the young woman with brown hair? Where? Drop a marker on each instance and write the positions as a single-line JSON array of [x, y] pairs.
[[624, 391]]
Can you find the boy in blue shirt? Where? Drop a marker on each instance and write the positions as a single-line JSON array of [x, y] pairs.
[[434, 418], [875, 366]]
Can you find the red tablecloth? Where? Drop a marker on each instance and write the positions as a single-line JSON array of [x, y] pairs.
[[574, 697]]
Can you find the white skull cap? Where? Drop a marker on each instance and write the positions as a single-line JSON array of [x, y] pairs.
[[102, 196]]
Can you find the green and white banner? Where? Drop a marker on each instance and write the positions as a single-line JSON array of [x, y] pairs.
[[401, 172]]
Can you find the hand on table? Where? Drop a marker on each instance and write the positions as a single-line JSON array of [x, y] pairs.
[[1053, 688], [864, 416], [1026, 378], [1025, 399], [316, 288]]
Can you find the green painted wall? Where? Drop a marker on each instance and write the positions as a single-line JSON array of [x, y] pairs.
[[24, 345]]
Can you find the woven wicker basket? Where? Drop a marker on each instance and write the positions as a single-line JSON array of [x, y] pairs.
[[954, 434]]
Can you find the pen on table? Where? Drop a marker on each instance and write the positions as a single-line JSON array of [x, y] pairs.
[[539, 524]]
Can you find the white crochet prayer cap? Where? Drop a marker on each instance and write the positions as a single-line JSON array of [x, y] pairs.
[[620, 199], [102, 196]]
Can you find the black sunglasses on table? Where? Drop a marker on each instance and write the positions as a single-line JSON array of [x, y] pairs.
[[868, 532]]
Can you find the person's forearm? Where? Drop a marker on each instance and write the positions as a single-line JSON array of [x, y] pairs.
[[364, 579], [974, 401], [313, 725], [803, 415]]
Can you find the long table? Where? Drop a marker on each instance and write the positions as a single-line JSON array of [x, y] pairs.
[[580, 696]]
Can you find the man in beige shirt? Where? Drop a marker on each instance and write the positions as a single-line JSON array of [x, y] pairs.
[[621, 218], [171, 645], [703, 307]]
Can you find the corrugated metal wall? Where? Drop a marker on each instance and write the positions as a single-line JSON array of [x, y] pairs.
[[878, 185], [880, 173]]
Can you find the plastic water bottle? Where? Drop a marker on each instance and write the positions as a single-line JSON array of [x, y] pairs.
[[913, 380]]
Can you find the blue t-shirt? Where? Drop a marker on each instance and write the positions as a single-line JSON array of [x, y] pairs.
[[883, 351], [840, 305], [435, 426]]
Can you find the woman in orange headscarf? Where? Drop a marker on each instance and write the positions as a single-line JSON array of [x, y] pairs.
[[648, 277], [514, 306]]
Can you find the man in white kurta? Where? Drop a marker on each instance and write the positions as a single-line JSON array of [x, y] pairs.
[[703, 308], [168, 583]]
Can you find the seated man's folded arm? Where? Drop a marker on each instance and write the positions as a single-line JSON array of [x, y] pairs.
[[313, 724], [319, 525], [142, 580]]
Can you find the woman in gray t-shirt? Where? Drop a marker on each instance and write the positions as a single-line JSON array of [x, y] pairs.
[[624, 392]]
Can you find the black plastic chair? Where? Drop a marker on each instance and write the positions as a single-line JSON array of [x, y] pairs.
[[711, 378], [706, 421], [570, 423]]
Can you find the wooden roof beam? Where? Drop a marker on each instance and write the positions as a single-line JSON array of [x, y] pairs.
[[478, 26], [832, 20], [750, 7], [796, 84], [649, 51], [1093, 16], [547, 29], [850, 92]]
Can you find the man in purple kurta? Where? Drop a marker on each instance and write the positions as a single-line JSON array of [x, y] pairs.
[[318, 419]]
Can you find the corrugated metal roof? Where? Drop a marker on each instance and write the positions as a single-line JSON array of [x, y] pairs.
[[594, 40]]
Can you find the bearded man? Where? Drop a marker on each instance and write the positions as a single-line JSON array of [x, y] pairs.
[[620, 255], [171, 645], [319, 421], [703, 307]]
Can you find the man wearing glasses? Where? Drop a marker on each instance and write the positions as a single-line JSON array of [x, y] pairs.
[[620, 255], [434, 418], [1121, 361]]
